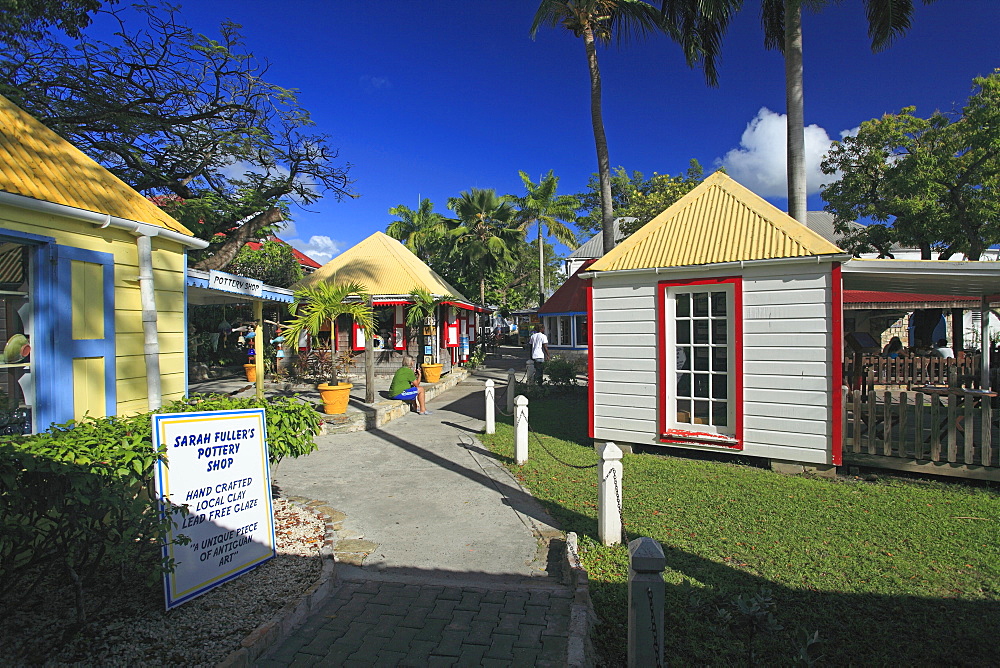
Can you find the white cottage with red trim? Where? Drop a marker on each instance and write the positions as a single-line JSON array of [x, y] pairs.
[[717, 326]]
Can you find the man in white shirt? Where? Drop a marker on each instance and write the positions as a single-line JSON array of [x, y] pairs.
[[538, 343], [943, 350]]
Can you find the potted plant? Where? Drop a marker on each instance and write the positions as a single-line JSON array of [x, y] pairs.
[[419, 317], [322, 303]]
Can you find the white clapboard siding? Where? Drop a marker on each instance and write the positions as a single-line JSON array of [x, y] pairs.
[[783, 296], [787, 405], [780, 382], [807, 340], [787, 367], [786, 411]]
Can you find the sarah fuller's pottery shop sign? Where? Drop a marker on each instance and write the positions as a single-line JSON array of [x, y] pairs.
[[216, 464], [241, 285]]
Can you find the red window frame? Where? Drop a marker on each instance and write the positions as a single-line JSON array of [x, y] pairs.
[[669, 433]]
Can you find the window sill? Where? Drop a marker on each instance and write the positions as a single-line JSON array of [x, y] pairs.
[[685, 437]]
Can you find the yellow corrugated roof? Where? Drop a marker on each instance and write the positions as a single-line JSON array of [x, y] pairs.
[[719, 221], [385, 267], [36, 162]]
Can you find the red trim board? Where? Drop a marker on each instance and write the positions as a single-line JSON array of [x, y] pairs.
[[837, 351], [591, 372], [691, 438]]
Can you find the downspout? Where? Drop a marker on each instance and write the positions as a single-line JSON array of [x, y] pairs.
[[984, 333], [150, 334]]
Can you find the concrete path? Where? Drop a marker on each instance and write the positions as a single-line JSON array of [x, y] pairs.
[[461, 570]]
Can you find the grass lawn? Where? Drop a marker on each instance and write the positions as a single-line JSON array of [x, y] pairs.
[[889, 571]]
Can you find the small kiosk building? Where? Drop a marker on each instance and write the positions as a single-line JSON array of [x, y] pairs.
[[91, 285], [390, 271], [717, 326]]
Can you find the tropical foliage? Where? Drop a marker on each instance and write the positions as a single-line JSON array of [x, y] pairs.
[[273, 262], [486, 234], [931, 183], [193, 122], [421, 231], [542, 207], [319, 305]]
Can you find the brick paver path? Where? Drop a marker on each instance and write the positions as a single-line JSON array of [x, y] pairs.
[[380, 623]]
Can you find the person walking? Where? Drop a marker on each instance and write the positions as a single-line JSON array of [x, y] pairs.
[[538, 343]]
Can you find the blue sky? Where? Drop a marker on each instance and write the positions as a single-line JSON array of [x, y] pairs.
[[426, 99]]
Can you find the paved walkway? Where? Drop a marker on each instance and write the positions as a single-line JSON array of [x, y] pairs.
[[460, 570]]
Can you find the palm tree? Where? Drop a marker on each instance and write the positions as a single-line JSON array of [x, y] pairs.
[[487, 228], [543, 207], [696, 25], [418, 230], [315, 305], [782, 22]]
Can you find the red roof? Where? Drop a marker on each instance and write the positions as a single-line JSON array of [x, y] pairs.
[[872, 297], [303, 259], [571, 297]]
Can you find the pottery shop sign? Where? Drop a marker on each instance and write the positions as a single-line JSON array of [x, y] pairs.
[[216, 465], [241, 285]]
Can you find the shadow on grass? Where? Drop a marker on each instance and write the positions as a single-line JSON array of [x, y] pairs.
[[855, 628]]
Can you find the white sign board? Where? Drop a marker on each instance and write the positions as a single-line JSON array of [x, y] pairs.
[[241, 285], [216, 464]]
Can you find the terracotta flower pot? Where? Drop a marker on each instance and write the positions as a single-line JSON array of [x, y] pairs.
[[251, 370], [432, 372], [334, 397]]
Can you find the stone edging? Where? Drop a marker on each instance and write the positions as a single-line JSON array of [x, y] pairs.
[[579, 649], [294, 612]]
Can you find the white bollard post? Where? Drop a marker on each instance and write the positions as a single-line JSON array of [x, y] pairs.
[[491, 420], [609, 494], [529, 373], [521, 429], [511, 388]]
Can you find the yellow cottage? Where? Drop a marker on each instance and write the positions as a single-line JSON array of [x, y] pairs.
[[92, 294]]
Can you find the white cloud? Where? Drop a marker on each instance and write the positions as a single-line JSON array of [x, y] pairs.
[[319, 247], [370, 84], [760, 161]]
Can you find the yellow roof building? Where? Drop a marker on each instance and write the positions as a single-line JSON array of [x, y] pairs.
[[385, 267], [719, 221], [39, 164]]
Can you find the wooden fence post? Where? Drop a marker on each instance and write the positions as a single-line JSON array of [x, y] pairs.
[[645, 603], [491, 420], [521, 429], [609, 494]]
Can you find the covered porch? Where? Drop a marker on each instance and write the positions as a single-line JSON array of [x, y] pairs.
[[943, 420]]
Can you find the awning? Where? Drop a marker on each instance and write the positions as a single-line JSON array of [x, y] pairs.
[[928, 277], [219, 287]]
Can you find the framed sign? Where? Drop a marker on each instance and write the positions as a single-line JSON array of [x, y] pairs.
[[216, 465]]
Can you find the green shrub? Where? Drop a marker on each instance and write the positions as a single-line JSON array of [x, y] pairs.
[[292, 424], [81, 497], [562, 371]]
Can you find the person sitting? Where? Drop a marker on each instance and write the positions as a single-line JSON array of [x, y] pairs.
[[943, 350], [893, 349], [405, 386]]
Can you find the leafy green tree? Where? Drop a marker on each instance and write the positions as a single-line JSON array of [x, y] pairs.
[[932, 183], [600, 21], [641, 198], [542, 207], [624, 186], [421, 231], [32, 19], [274, 263], [182, 117], [487, 232]]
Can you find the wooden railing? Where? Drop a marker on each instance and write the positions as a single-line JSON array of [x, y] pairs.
[[954, 425], [909, 371]]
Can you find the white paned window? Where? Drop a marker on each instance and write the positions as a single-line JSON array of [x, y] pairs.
[[700, 346]]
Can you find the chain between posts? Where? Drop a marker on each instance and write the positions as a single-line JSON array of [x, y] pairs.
[[652, 626], [498, 396]]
